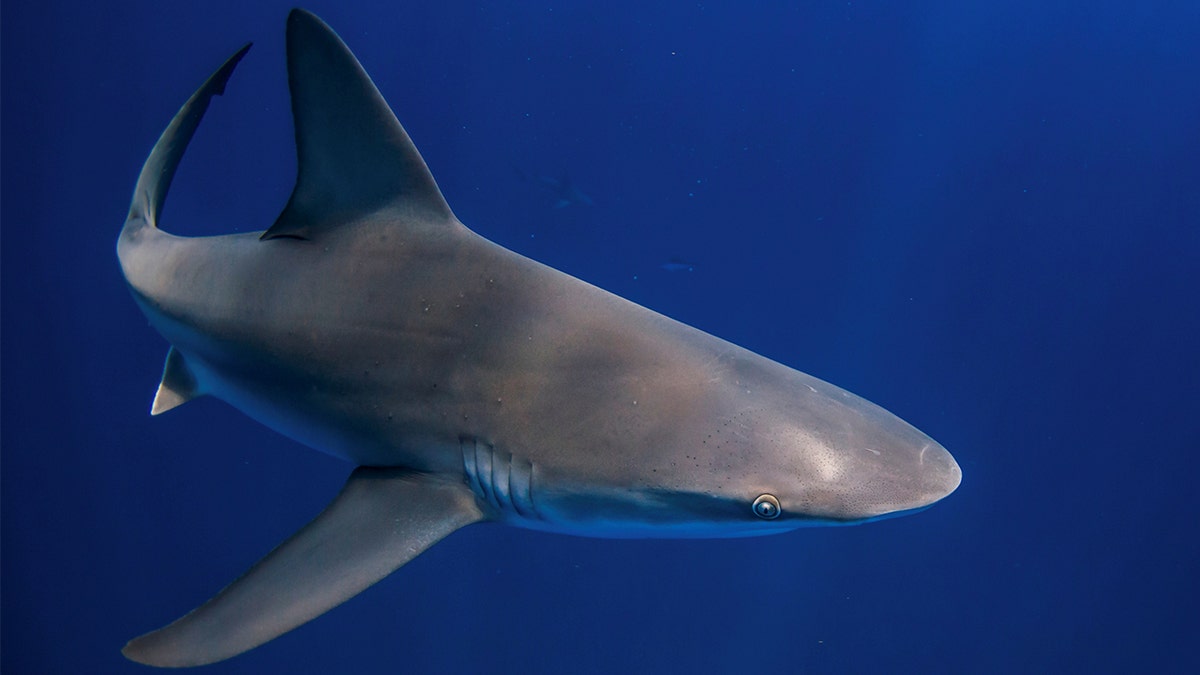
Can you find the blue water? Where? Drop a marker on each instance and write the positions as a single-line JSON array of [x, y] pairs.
[[983, 216]]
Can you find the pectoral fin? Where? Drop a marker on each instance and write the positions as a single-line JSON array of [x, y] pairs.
[[381, 519]]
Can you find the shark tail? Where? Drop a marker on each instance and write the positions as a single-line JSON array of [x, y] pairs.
[[160, 166], [179, 385]]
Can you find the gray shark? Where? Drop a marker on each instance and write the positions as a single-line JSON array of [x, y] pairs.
[[466, 382]]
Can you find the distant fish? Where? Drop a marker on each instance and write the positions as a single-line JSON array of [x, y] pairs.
[[677, 265], [565, 192], [562, 191]]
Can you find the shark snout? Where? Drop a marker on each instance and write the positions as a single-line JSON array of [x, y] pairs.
[[900, 479], [914, 475], [902, 468], [940, 473], [862, 480]]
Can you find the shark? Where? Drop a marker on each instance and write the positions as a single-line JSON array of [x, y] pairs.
[[465, 382]]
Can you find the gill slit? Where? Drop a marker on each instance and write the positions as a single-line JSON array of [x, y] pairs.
[[500, 479]]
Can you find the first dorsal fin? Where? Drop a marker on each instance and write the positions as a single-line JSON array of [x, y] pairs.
[[353, 156]]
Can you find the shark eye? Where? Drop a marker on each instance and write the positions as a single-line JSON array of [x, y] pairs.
[[766, 507]]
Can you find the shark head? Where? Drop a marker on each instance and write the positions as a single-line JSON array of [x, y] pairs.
[[823, 456], [820, 455], [751, 448]]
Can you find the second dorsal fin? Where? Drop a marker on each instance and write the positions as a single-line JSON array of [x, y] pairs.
[[354, 157]]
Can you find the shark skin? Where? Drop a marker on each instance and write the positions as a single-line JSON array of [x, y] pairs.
[[466, 382]]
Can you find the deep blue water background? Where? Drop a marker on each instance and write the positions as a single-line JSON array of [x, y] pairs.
[[983, 216]]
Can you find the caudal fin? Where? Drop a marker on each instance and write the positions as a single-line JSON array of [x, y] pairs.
[[160, 166]]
